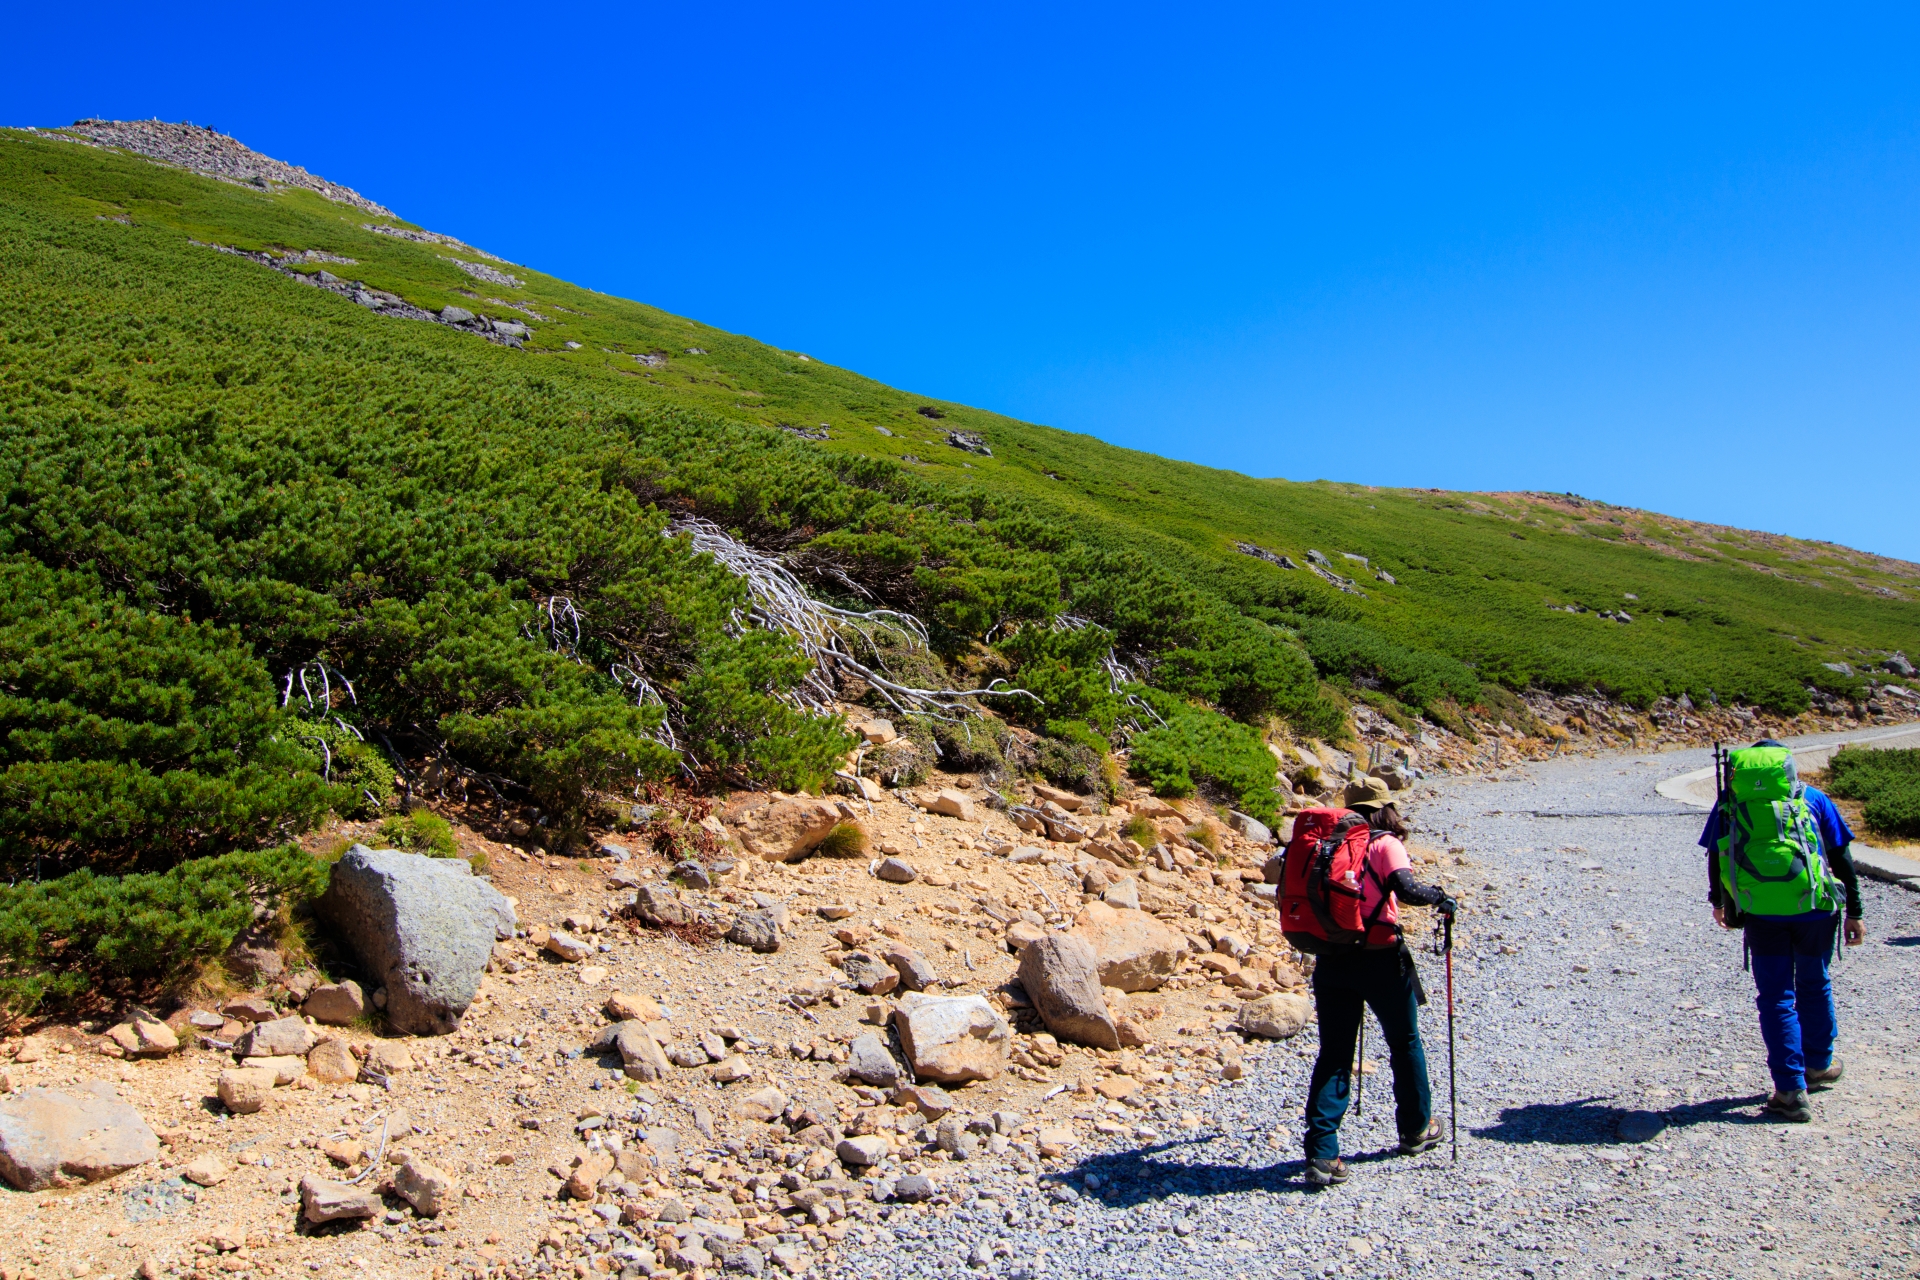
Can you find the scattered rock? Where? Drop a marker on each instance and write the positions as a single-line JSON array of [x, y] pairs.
[[583, 1183], [286, 1069], [144, 1037], [954, 804], [244, 1090], [930, 1100], [389, 1057], [253, 954], [625, 1006], [206, 1171], [337, 1004], [762, 1104], [1123, 895], [658, 906], [834, 910], [324, 1200], [871, 976], [641, 1056], [895, 871], [875, 730], [782, 828], [1134, 951], [869, 1062], [858, 1153], [913, 1188], [425, 1187], [692, 874], [1061, 975], [567, 947], [425, 927], [51, 1137], [953, 1039], [1022, 934], [951, 1136], [730, 1071], [756, 929], [1054, 1140], [283, 1037], [915, 973], [1276, 1017], [250, 1009], [1249, 827], [331, 1062]]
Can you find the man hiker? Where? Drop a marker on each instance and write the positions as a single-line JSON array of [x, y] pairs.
[[1346, 913], [1779, 866]]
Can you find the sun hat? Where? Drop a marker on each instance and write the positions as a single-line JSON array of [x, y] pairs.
[[1368, 793]]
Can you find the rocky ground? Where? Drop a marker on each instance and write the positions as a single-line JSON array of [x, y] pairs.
[[1611, 1079], [752, 1118]]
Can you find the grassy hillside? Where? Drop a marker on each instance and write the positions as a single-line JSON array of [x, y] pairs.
[[289, 480]]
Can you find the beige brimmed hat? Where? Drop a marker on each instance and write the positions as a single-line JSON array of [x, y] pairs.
[[1368, 793]]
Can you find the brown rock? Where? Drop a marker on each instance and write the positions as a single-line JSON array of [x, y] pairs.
[[762, 1105], [1135, 952], [389, 1057], [207, 1171], [585, 1179], [623, 1006], [1022, 934], [279, 1038], [245, 1090], [1061, 976], [338, 1004], [1275, 1017], [145, 1037], [428, 1189], [953, 1039], [658, 905], [324, 1200], [896, 871], [250, 1009], [781, 828], [915, 973], [954, 804], [871, 976], [1065, 799], [50, 1137], [330, 1062]]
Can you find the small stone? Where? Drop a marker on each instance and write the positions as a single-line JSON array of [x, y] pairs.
[[691, 874], [1123, 894], [731, 1071], [286, 1069], [324, 1200], [757, 930], [1275, 1017], [915, 973], [425, 1187], [833, 911], [762, 1104], [450, 314], [861, 1152], [1054, 1140], [930, 1100], [913, 1188], [952, 803], [280, 1038], [207, 1171], [567, 947], [869, 1062], [389, 1057], [337, 1004], [244, 1090], [343, 1151], [250, 1009], [895, 871], [953, 1137], [623, 1006], [584, 1181], [331, 1062], [872, 977]]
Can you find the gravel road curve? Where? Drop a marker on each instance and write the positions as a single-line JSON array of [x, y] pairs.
[[1591, 987]]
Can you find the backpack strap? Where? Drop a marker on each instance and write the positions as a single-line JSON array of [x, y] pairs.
[[1373, 920]]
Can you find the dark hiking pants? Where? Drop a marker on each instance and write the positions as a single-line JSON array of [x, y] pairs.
[[1344, 986]]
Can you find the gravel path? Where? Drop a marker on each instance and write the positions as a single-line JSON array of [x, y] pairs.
[[1659, 1024]]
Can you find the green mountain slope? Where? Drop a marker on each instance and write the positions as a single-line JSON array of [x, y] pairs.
[[295, 480]]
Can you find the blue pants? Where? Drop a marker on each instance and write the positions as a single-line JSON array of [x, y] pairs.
[[1344, 987], [1789, 956]]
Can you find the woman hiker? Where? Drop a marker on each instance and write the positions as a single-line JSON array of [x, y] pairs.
[[1378, 974]]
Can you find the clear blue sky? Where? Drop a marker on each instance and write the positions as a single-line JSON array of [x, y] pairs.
[[1658, 257]]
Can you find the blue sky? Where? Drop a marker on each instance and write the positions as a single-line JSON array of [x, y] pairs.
[[1667, 259]]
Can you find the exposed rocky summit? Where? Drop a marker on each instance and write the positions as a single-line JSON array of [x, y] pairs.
[[204, 150]]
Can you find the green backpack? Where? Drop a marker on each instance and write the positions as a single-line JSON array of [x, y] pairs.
[[1771, 863]]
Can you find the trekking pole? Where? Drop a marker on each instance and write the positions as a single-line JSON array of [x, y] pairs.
[[1453, 1080], [1360, 1068]]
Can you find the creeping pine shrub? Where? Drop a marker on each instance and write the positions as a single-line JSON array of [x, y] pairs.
[[1196, 745], [359, 771], [846, 840], [133, 739], [1889, 782], [86, 936]]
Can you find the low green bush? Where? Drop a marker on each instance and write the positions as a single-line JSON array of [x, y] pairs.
[[1889, 783], [87, 937], [1197, 746], [421, 832]]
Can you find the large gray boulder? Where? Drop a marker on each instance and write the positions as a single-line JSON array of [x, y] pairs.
[[423, 927], [55, 1137]]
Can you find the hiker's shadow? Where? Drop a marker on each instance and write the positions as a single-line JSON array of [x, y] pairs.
[[1588, 1122], [1149, 1174]]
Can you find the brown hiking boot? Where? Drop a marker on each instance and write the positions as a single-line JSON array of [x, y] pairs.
[[1790, 1106], [1826, 1077], [1327, 1173], [1426, 1141]]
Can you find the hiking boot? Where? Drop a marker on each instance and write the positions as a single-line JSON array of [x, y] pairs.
[[1423, 1141], [1327, 1173], [1826, 1077], [1790, 1106]]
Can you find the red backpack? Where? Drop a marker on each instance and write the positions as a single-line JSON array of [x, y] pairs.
[[1320, 881]]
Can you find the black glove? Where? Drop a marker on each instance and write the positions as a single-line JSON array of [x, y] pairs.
[[1446, 907]]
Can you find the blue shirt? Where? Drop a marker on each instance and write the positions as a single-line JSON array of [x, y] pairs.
[[1834, 831]]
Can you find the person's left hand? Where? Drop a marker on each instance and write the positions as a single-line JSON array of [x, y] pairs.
[[1856, 932]]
